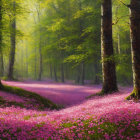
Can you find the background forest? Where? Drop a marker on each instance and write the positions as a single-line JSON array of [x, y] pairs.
[[60, 40], [49, 49]]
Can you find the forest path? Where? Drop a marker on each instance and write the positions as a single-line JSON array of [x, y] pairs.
[[59, 93]]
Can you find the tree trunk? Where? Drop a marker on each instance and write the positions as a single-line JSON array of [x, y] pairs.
[[40, 44], [108, 64], [96, 69], [26, 62], [2, 63], [82, 73], [13, 45], [40, 61], [62, 73], [35, 66], [0, 33], [55, 75], [135, 45], [119, 44], [51, 76], [77, 81]]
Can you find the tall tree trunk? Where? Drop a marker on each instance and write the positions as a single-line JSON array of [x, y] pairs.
[[26, 61], [55, 74], [77, 80], [82, 73], [0, 33], [135, 45], [13, 44], [62, 66], [119, 44], [35, 66], [2, 62], [62, 73], [51, 75], [22, 64], [96, 69], [40, 61], [67, 72], [108, 64], [40, 47]]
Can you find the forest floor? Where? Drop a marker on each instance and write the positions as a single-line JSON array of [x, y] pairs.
[[59, 93], [110, 117]]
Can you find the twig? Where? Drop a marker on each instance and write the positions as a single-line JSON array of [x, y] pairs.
[[127, 5], [118, 19]]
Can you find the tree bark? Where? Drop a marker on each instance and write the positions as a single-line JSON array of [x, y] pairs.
[[62, 73], [82, 73], [13, 44], [119, 44], [108, 63], [0, 33], [51, 76], [26, 61], [35, 64], [40, 61], [96, 69], [77, 81], [1, 53], [55, 75], [40, 54], [2, 62], [135, 46]]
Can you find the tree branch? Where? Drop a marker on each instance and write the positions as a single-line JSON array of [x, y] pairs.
[[118, 19], [127, 5]]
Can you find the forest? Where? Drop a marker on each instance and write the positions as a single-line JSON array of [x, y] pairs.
[[69, 69]]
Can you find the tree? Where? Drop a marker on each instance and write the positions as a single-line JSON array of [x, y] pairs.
[[1, 38], [135, 45], [0, 32], [13, 43], [108, 63], [38, 10]]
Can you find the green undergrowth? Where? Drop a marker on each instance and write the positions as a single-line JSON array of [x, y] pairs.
[[101, 129], [31, 95], [7, 79]]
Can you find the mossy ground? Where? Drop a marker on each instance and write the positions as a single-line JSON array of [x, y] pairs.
[[43, 102], [101, 93]]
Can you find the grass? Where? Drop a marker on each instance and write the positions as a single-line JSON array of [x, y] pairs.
[[31, 95], [101, 128]]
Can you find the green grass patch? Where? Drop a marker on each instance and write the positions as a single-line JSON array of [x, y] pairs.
[[27, 117], [40, 124], [101, 130]]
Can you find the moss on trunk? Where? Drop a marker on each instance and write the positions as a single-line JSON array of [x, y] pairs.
[[135, 95], [135, 47]]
